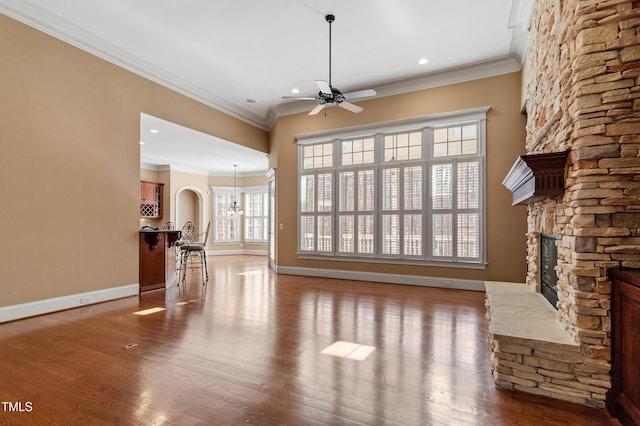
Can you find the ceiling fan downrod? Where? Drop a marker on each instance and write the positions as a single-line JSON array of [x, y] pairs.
[[330, 18]]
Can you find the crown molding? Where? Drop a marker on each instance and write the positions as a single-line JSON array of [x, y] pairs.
[[154, 167], [182, 168], [438, 79], [40, 19], [520, 21], [30, 14], [451, 76], [174, 167]]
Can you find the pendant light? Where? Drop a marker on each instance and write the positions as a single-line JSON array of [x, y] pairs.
[[235, 208]]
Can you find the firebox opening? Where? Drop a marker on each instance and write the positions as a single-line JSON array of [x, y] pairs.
[[548, 261]]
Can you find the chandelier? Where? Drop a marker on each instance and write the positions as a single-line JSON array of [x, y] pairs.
[[235, 208]]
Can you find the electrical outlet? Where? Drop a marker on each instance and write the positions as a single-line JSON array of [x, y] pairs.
[[85, 299]]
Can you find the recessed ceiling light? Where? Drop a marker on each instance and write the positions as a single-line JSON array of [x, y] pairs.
[[423, 61], [295, 90], [141, 143], [251, 101], [153, 131]]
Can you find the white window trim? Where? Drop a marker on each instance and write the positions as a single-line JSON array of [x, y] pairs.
[[225, 190], [428, 123], [255, 190], [436, 120]]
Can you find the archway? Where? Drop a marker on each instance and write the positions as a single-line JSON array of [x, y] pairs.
[[190, 206]]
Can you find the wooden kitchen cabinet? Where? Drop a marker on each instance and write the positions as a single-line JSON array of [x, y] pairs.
[[147, 191], [623, 400], [151, 194]]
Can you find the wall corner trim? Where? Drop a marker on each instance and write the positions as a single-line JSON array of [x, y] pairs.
[[46, 306]]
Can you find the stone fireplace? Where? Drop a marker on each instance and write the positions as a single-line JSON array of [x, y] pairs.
[[581, 82]]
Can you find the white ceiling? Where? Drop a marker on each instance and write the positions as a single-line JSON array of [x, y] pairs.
[[224, 52], [187, 150]]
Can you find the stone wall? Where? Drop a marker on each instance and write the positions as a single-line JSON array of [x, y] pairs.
[[583, 95]]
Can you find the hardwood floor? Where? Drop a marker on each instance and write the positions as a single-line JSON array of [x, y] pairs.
[[248, 350]]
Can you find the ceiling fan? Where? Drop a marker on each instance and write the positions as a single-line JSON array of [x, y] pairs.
[[329, 95]]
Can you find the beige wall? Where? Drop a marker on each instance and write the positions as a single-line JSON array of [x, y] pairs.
[[506, 225], [149, 175], [188, 209], [70, 164]]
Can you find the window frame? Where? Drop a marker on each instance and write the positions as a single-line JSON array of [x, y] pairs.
[[263, 191], [427, 125], [227, 190]]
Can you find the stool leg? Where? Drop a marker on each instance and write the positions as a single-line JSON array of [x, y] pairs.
[[206, 271], [183, 265]]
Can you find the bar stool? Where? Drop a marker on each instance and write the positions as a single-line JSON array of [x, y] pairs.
[[187, 250]]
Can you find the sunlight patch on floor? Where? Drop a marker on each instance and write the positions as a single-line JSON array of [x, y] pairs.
[[349, 350], [149, 311]]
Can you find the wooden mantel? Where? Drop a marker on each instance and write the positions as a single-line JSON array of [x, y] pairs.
[[534, 177]]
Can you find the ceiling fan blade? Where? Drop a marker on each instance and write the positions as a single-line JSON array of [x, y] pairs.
[[351, 107], [317, 109], [300, 98], [324, 87], [360, 94]]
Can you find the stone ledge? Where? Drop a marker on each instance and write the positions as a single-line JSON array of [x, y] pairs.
[[530, 352], [520, 314]]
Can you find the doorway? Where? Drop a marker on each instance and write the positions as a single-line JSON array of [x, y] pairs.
[[189, 207]]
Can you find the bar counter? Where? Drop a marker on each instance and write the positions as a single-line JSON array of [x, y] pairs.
[[157, 258]]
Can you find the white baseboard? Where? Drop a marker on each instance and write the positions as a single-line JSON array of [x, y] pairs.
[[256, 252], [40, 307], [474, 285], [237, 251]]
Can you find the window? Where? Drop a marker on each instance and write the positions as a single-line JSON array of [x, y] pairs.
[[317, 212], [408, 192], [226, 225], [256, 215], [252, 226]]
